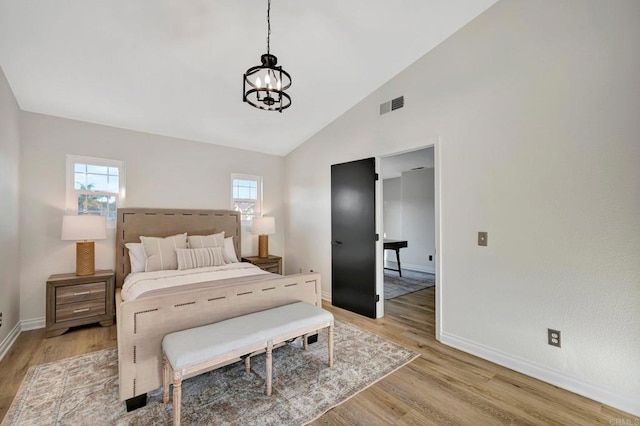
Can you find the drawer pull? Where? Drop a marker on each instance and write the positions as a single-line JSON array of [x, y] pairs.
[[77, 311], [82, 293]]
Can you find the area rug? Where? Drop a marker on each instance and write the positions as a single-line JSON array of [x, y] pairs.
[[84, 390], [409, 282]]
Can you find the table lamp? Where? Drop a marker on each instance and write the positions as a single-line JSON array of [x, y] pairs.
[[84, 229], [263, 226]]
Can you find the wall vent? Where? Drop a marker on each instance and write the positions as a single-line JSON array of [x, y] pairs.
[[397, 103], [392, 105]]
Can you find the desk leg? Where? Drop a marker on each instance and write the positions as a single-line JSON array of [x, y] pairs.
[[398, 259]]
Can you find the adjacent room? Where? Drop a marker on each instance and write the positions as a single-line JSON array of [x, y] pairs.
[[408, 222], [423, 212]]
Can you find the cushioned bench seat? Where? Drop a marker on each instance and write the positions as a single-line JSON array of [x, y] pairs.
[[193, 351]]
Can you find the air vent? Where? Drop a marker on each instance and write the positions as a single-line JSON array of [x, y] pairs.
[[392, 105], [397, 103]]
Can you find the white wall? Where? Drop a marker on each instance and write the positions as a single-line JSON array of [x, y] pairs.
[[9, 218], [535, 104], [409, 214], [418, 220], [392, 208], [160, 172]]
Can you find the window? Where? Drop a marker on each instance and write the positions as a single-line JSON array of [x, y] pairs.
[[95, 186], [246, 195]]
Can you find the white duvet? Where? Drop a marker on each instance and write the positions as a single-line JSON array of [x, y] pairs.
[[138, 283]]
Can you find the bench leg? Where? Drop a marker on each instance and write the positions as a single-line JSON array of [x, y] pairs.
[[177, 397], [330, 344], [306, 341], [247, 364], [269, 368], [166, 371]]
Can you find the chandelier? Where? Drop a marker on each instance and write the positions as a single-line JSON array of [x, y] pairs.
[[263, 86]]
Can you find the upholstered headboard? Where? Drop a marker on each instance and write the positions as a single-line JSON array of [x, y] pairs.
[[136, 222]]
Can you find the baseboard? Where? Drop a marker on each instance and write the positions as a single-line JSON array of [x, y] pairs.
[[32, 324], [557, 378], [9, 340], [326, 296], [411, 267]]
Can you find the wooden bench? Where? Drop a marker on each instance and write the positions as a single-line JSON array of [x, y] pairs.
[[194, 351]]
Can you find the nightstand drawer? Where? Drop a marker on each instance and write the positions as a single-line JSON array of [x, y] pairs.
[[271, 267], [80, 293], [270, 263], [71, 311]]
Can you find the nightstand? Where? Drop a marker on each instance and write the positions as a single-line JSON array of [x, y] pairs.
[[77, 300], [269, 264]]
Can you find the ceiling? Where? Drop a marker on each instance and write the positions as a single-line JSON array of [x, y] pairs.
[[174, 67], [395, 165]]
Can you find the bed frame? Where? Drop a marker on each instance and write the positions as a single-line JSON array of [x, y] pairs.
[[142, 323]]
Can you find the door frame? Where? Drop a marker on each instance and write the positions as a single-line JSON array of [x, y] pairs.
[[437, 172]]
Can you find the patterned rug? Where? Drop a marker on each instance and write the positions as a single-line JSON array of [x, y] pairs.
[[83, 390], [410, 281]]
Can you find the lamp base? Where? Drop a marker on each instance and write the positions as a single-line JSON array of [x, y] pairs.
[[263, 246], [85, 258]]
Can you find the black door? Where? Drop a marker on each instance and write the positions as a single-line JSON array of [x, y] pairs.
[[353, 236]]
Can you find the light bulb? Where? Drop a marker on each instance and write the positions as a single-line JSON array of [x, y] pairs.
[[258, 82], [278, 84], [267, 80]]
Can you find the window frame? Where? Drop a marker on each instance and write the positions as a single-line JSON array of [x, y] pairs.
[[72, 193], [259, 196]]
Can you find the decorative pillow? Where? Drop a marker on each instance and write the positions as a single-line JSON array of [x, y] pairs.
[[229, 251], [161, 252], [137, 256], [202, 241], [199, 257]]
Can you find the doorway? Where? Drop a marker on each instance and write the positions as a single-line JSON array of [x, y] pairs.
[[409, 208]]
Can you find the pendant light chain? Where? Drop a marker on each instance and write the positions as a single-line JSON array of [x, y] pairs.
[[268, 25]]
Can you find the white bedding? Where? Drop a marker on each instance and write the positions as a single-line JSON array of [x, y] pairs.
[[136, 284]]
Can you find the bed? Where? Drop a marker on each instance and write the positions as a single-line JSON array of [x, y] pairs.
[[143, 322]]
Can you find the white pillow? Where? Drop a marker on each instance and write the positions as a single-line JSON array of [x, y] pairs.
[[199, 257], [137, 256], [202, 241], [229, 251], [161, 252]]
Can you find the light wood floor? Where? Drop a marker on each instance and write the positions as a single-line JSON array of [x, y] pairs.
[[442, 387]]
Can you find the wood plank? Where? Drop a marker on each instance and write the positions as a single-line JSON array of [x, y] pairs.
[[443, 386]]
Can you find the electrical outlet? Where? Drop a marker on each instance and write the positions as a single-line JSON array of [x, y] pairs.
[[430, 258], [0, 319], [553, 337], [483, 239]]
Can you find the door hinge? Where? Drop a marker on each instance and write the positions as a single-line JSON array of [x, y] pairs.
[[377, 176], [377, 237], [377, 297]]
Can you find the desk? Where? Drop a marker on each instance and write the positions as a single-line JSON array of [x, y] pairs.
[[395, 245]]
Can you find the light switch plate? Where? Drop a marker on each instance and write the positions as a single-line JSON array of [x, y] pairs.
[[482, 238]]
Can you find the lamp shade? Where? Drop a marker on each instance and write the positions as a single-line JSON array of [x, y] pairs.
[[264, 225], [84, 227]]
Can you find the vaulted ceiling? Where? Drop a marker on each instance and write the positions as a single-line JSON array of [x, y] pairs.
[[174, 67]]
